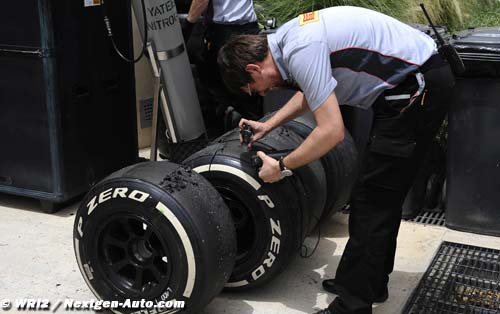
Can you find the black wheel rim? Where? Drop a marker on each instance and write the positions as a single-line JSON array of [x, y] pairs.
[[244, 222], [133, 256]]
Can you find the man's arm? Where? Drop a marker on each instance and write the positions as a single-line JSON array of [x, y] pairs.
[[310, 66], [195, 11], [327, 134], [296, 106]]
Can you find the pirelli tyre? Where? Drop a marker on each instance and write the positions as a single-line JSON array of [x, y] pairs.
[[271, 220], [155, 231], [340, 164]]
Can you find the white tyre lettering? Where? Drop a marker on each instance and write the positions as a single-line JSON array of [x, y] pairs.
[[79, 228], [92, 205], [138, 196], [275, 227], [121, 192], [88, 271], [258, 272], [274, 250], [165, 295], [270, 261], [267, 200], [275, 245], [105, 195]]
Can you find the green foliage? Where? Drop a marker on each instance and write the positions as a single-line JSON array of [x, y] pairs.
[[487, 17], [455, 14]]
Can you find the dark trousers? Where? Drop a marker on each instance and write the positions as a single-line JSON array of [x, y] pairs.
[[398, 143], [216, 36]]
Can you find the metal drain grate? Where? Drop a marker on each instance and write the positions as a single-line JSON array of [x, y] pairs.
[[460, 279], [430, 218]]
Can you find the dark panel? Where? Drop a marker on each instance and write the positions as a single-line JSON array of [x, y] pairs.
[[25, 161], [71, 107], [473, 202], [473, 198], [20, 24], [97, 92]]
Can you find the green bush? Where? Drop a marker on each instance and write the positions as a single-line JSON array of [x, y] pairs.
[[455, 14]]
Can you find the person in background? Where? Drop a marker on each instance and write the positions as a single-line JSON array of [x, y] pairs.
[[223, 20], [356, 57]]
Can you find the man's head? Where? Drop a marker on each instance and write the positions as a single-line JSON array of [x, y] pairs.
[[247, 66]]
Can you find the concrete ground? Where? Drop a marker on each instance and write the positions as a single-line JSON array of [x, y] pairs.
[[37, 261]]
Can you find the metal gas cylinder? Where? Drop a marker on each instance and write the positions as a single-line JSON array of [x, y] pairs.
[[165, 35]]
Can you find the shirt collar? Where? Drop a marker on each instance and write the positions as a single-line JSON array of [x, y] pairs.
[[277, 55]]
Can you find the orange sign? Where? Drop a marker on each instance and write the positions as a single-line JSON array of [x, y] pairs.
[[309, 17]]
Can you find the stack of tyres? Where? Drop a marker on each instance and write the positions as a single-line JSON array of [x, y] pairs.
[[272, 220], [155, 231], [340, 164], [160, 231], [473, 174]]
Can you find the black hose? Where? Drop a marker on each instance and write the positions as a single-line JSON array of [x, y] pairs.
[[107, 23], [304, 251]]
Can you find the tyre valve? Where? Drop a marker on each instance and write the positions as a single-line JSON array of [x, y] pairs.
[[246, 134]]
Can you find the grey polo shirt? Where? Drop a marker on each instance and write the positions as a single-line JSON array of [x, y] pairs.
[[233, 12], [356, 52]]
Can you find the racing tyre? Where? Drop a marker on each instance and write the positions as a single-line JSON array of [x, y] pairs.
[[340, 164], [155, 231], [271, 220]]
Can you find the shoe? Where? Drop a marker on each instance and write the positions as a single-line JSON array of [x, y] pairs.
[[329, 285], [325, 311]]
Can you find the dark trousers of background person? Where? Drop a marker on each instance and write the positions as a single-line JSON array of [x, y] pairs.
[[216, 36], [398, 143]]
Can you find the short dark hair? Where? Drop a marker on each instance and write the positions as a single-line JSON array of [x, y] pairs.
[[235, 55]]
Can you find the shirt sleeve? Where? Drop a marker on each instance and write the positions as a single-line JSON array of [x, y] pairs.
[[310, 67]]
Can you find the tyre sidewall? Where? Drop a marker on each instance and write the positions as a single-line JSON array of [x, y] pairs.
[[183, 250], [277, 219]]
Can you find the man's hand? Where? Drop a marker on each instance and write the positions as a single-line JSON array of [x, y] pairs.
[[270, 171], [259, 130]]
